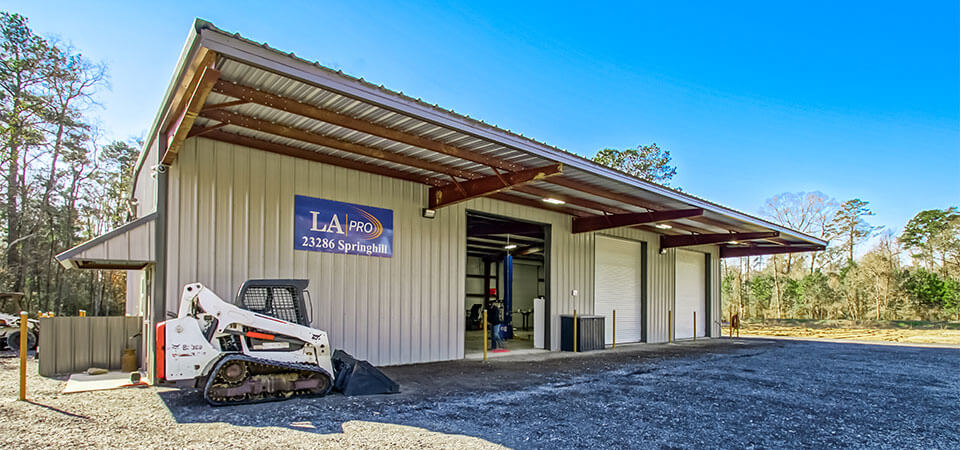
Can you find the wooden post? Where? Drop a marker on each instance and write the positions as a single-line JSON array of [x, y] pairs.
[[23, 355], [694, 326], [574, 331], [614, 328], [484, 334]]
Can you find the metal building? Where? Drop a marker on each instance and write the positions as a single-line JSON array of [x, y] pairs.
[[252, 144]]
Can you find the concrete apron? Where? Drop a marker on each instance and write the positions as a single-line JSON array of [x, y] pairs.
[[528, 355]]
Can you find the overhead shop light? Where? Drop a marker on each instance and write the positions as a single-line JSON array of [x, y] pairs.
[[663, 226], [553, 201], [509, 246]]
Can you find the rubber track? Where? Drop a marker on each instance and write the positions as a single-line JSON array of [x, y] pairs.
[[264, 362]]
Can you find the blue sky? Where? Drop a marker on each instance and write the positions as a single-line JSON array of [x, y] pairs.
[[752, 99]]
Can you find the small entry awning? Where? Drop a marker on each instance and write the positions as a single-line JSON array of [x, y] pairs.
[[127, 247]]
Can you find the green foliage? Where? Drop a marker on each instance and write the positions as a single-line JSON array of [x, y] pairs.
[[929, 289], [648, 162], [849, 225], [58, 186], [934, 236]]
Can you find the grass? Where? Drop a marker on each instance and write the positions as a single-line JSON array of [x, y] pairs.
[[907, 331]]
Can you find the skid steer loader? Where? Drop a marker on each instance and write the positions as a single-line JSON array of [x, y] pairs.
[[260, 349]]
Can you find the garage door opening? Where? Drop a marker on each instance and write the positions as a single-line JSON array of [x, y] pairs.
[[691, 298], [620, 284], [507, 274]]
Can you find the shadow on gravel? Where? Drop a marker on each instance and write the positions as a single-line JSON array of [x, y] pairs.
[[58, 410]]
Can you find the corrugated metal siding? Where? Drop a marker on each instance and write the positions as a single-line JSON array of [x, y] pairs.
[[230, 219], [132, 245], [75, 344]]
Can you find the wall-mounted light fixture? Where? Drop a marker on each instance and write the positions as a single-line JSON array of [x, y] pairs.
[[428, 213]]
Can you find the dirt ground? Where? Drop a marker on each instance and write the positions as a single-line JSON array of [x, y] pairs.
[[719, 393], [892, 331]]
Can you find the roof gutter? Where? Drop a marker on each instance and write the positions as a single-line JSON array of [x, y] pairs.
[[190, 48]]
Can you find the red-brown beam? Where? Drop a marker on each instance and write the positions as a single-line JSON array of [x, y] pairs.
[[309, 155], [735, 252], [480, 187], [178, 130], [596, 223], [292, 106], [319, 139], [703, 239]]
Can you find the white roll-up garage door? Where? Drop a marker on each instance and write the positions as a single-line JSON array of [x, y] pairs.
[[691, 294], [618, 285]]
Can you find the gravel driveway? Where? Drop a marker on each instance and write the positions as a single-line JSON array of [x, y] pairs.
[[752, 393]]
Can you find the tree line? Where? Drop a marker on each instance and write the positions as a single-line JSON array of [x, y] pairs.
[[913, 274], [59, 185]]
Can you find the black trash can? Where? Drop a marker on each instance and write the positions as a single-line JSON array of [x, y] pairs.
[[590, 330]]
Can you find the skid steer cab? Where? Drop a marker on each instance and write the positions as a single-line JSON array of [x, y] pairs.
[[259, 349]]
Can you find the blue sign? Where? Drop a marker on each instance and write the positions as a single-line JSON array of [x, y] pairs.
[[335, 227]]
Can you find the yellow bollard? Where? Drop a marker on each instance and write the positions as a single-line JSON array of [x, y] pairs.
[[614, 328], [83, 313], [484, 335], [574, 331], [23, 355], [670, 326], [694, 326]]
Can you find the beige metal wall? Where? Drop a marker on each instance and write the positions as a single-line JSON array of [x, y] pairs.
[[230, 219], [75, 344], [145, 187]]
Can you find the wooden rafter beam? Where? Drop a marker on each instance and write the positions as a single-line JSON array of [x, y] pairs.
[[188, 84], [596, 223], [703, 239], [310, 155], [253, 95], [224, 105], [727, 251], [200, 131], [329, 142], [480, 187], [179, 128]]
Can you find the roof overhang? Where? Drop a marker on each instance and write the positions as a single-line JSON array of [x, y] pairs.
[[276, 102], [127, 247]]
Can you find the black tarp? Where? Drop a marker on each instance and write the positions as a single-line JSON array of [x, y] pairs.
[[354, 377]]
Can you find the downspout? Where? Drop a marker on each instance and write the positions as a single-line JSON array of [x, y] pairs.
[[158, 308]]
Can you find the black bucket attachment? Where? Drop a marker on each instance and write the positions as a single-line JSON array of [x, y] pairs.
[[355, 377]]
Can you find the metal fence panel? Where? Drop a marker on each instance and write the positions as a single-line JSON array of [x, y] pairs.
[[75, 344]]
